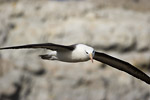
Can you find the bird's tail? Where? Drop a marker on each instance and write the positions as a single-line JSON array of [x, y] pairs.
[[48, 57], [45, 57]]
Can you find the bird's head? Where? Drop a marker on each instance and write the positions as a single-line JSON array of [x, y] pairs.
[[86, 52], [90, 52]]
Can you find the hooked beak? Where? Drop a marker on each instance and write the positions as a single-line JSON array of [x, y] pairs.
[[91, 57]]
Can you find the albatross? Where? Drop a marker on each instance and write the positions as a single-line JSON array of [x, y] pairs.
[[80, 53]]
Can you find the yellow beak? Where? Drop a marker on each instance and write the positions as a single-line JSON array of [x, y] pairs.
[[91, 57]]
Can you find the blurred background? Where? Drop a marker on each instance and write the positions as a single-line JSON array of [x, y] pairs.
[[120, 28]]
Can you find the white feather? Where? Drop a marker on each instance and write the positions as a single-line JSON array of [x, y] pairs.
[[77, 55]]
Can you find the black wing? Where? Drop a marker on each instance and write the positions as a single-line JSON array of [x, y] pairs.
[[122, 65], [50, 46]]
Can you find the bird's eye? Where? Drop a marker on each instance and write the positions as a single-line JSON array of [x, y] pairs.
[[86, 52], [93, 52]]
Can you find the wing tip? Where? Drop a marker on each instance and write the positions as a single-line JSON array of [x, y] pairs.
[[2, 48], [6, 48]]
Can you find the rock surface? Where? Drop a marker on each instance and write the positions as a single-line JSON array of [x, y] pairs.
[[122, 31]]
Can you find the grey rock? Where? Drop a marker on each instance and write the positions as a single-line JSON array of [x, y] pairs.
[[121, 31]]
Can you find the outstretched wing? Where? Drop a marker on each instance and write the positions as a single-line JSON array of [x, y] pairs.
[[50, 46], [122, 65]]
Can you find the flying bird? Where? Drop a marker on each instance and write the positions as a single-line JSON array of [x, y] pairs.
[[80, 53]]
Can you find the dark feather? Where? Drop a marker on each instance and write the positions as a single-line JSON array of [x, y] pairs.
[[50, 46], [122, 65]]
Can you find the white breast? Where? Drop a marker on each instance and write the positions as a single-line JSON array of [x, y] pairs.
[[77, 55]]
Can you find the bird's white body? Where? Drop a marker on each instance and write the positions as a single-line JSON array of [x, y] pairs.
[[77, 55]]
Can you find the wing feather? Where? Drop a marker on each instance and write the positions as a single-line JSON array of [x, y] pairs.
[[50, 46], [122, 65]]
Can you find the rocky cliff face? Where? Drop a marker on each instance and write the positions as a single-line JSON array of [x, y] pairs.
[[121, 31]]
